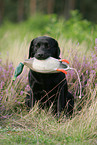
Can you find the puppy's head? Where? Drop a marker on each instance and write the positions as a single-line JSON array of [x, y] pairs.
[[44, 47]]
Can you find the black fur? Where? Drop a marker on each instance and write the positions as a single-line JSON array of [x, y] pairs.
[[48, 88]]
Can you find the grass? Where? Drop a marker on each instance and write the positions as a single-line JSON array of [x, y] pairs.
[[17, 126], [43, 128]]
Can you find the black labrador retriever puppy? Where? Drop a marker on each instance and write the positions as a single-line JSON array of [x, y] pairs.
[[49, 89]]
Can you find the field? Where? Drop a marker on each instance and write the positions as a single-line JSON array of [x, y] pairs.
[[76, 39]]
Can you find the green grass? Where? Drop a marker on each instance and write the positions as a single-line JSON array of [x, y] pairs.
[[26, 137], [41, 126]]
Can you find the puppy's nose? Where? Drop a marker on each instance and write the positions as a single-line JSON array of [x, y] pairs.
[[40, 55]]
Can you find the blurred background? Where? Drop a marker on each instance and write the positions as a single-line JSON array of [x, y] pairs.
[[20, 10], [73, 21]]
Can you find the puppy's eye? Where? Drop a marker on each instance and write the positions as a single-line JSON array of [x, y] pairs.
[[38, 45], [46, 45]]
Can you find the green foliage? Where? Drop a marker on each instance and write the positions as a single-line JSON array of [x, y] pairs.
[[75, 28]]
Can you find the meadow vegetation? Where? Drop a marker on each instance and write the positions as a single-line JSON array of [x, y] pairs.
[[76, 39]]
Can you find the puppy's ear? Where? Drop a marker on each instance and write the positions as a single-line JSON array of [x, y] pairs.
[[58, 53], [31, 50]]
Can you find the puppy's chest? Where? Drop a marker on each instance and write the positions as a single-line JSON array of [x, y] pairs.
[[46, 89], [44, 84]]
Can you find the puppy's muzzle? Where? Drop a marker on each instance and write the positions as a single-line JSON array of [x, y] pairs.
[[41, 56]]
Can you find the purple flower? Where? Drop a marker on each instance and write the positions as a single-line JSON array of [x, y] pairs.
[[21, 93], [27, 88], [2, 84], [96, 41], [86, 71], [10, 65], [1, 98], [0, 68], [93, 72]]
